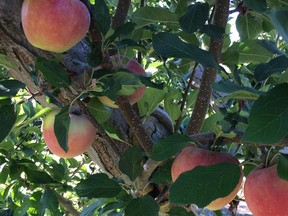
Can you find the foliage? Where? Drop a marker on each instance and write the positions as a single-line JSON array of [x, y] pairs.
[[248, 116]]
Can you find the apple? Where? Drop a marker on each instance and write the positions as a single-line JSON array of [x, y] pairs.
[[122, 62], [54, 25], [81, 135], [266, 193], [192, 156]]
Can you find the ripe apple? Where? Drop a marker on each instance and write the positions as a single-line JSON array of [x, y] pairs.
[[122, 62], [54, 25], [81, 135], [191, 157], [266, 193]]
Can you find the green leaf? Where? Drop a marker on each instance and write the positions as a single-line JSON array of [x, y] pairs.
[[53, 72], [38, 177], [203, 184], [130, 162], [181, 7], [213, 31], [22, 210], [163, 174], [256, 5], [149, 15], [248, 26], [129, 82], [150, 101], [49, 201], [8, 118], [170, 45], [100, 112], [90, 210], [229, 87], [282, 166], [279, 19], [124, 29], [240, 95], [61, 127], [4, 174], [101, 16], [142, 206], [195, 17], [276, 65], [178, 211], [6, 62], [268, 119], [169, 146], [98, 186], [10, 87]]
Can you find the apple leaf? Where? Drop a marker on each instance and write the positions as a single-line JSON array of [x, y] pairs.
[[226, 86], [49, 201], [150, 101], [98, 186], [124, 29], [195, 17], [53, 72], [38, 177], [101, 16], [282, 166], [8, 116], [256, 5], [61, 127], [130, 162], [163, 174], [169, 146], [149, 15], [100, 112], [279, 20], [10, 87], [268, 119], [90, 210], [213, 31], [248, 26], [204, 184], [170, 45], [276, 65], [178, 211], [142, 206]]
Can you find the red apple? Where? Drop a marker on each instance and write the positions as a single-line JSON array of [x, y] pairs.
[[81, 135], [55, 25], [121, 62], [266, 193], [191, 157]]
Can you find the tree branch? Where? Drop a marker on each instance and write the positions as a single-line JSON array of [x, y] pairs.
[[135, 123], [67, 204], [121, 13], [209, 75]]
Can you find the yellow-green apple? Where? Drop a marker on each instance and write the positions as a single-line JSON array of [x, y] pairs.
[[192, 156], [266, 193], [54, 25], [121, 62], [81, 135]]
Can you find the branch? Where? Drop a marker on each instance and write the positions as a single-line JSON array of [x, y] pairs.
[[209, 138], [209, 75], [135, 123], [121, 13], [67, 204]]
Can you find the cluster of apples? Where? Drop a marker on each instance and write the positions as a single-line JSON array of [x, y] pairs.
[[264, 191], [57, 26]]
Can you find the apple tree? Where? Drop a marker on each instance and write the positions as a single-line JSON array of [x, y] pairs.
[[143, 107]]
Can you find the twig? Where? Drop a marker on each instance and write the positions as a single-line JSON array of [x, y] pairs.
[[209, 75], [184, 99], [67, 204]]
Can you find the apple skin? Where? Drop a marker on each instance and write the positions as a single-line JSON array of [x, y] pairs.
[[81, 135], [191, 157], [121, 62], [266, 193], [54, 25]]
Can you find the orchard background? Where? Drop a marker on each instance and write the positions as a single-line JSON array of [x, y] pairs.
[[202, 88]]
